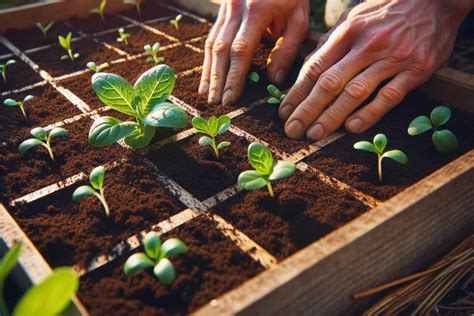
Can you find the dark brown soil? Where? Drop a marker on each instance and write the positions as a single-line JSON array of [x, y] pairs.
[[13, 293], [93, 23], [33, 37], [212, 266], [304, 210], [359, 169], [188, 28], [149, 11], [4, 50], [19, 75], [81, 86], [197, 170], [69, 233]]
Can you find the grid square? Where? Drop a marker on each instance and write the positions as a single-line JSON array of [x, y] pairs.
[[19, 75], [188, 28], [33, 37]]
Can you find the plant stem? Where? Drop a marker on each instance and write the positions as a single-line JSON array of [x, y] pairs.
[[104, 202], [71, 55], [216, 151], [270, 189], [47, 145], [23, 110], [138, 7], [4, 75], [379, 167]]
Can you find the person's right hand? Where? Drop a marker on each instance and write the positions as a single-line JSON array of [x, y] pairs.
[[235, 36]]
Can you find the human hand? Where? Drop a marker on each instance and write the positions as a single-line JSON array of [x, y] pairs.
[[405, 41], [235, 36]]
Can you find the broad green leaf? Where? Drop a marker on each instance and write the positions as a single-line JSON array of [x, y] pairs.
[[260, 158], [200, 124], [155, 86], [152, 245], [397, 155], [166, 114], [273, 100], [115, 92], [365, 146], [138, 139], [440, 115], [251, 180], [223, 123], [39, 133], [28, 98], [445, 141], [82, 192], [165, 272], [58, 131], [8, 262], [51, 296], [10, 102], [28, 144], [107, 130], [282, 170], [223, 145], [380, 142], [213, 126], [205, 140], [419, 125], [173, 246], [274, 91], [97, 177], [137, 262], [11, 62]]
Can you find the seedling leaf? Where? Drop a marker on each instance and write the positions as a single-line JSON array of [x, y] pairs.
[[58, 131], [137, 262], [282, 170], [28, 144], [82, 192], [273, 100], [173, 246], [440, 115], [223, 124], [8, 262], [397, 155], [140, 138], [152, 245], [365, 146], [205, 140], [380, 142], [10, 102], [96, 177], [419, 125], [260, 158], [200, 124], [165, 272], [107, 130], [251, 180], [166, 114], [39, 133], [223, 145], [445, 141], [115, 92]]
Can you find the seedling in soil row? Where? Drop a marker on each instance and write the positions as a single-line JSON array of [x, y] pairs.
[[146, 101], [444, 140], [49, 297], [266, 170], [96, 178], [176, 20], [45, 28], [65, 43], [152, 52], [20, 104], [93, 66], [100, 10], [156, 256], [123, 36], [254, 77], [42, 138], [3, 68], [134, 2], [276, 95], [212, 128], [378, 147]]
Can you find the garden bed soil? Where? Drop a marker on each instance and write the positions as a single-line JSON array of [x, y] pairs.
[[149, 11], [212, 266], [358, 168], [4, 50], [19, 75], [69, 233], [93, 23], [188, 28], [33, 37]]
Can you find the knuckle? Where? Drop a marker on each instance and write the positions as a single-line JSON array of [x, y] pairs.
[[209, 44], [334, 114], [391, 95], [240, 48], [306, 110], [357, 89], [330, 83], [220, 46], [313, 69], [254, 6]]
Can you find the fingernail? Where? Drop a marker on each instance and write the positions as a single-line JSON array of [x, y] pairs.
[[213, 97], [354, 125], [286, 111], [228, 97], [280, 76], [203, 87], [315, 132], [294, 129]]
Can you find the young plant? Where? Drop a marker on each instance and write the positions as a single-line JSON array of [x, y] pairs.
[[254, 77], [42, 138], [96, 178], [49, 297], [156, 256], [20, 104], [3, 68], [45, 28], [123, 36], [152, 52], [134, 2], [100, 10], [95, 68], [444, 140], [212, 128], [176, 20], [266, 169], [146, 101], [377, 147], [65, 43], [276, 95]]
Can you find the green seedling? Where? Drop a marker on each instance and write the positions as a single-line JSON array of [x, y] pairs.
[[152, 52], [65, 43], [3, 68], [176, 20], [45, 28], [146, 101], [377, 147], [123, 36], [96, 68], [100, 10], [276, 95], [20, 104], [134, 2], [444, 140], [212, 128], [254, 77], [96, 178], [156, 256], [266, 169], [42, 138], [49, 297]]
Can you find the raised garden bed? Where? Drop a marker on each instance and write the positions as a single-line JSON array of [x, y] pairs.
[[330, 230]]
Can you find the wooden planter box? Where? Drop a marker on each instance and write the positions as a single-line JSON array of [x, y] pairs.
[[396, 237]]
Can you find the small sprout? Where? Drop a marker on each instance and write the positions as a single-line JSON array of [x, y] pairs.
[[156, 256], [378, 147], [42, 138], [444, 140], [213, 127], [175, 21], [45, 28], [3, 68], [20, 104], [65, 43], [276, 95], [266, 170], [254, 77], [93, 66], [152, 52], [100, 10], [96, 178], [134, 2], [123, 36]]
